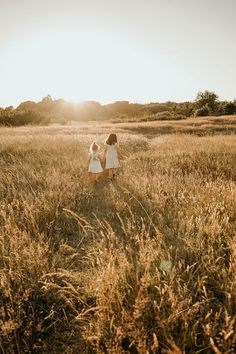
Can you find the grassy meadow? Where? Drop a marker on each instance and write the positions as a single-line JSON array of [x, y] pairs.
[[145, 264]]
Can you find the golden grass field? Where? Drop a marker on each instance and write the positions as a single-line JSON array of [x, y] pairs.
[[145, 264]]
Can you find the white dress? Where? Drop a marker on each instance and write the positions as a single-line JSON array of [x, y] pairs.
[[112, 156], [94, 163]]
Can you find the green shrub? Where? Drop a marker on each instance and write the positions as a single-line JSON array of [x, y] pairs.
[[169, 116], [203, 111], [18, 117]]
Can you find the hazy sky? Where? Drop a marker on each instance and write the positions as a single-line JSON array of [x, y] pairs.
[[108, 50]]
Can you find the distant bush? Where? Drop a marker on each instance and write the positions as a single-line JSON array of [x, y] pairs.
[[59, 111], [207, 103], [203, 111], [169, 116], [147, 117], [158, 108], [18, 117], [229, 108]]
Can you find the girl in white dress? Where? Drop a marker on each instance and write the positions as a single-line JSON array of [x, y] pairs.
[[94, 168], [111, 155]]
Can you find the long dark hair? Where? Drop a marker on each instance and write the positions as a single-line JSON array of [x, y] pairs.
[[112, 139]]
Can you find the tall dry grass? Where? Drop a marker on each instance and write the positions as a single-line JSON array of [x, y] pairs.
[[142, 265]]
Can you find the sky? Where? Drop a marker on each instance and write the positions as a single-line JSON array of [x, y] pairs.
[[109, 50]]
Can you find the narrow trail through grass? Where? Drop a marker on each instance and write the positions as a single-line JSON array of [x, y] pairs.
[[83, 269]]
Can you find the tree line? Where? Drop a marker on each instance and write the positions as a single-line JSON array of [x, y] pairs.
[[48, 110]]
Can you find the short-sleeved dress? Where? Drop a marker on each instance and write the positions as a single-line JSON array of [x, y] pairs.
[[94, 163], [112, 156]]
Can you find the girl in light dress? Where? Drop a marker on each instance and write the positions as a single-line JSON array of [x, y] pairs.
[[94, 169], [112, 155]]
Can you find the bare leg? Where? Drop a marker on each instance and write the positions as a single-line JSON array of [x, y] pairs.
[[90, 179], [97, 176], [111, 173]]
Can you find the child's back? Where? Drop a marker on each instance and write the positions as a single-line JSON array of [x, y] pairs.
[[94, 162], [95, 168], [112, 156]]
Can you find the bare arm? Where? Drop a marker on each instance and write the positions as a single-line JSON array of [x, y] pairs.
[[104, 152], [89, 159], [88, 162], [120, 155]]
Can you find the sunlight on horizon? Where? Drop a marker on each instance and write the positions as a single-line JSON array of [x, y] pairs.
[[106, 51], [76, 65]]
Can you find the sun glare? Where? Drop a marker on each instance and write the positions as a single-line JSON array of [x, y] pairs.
[[80, 63], [77, 65]]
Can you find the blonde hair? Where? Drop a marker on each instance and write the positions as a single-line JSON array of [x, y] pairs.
[[94, 147]]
